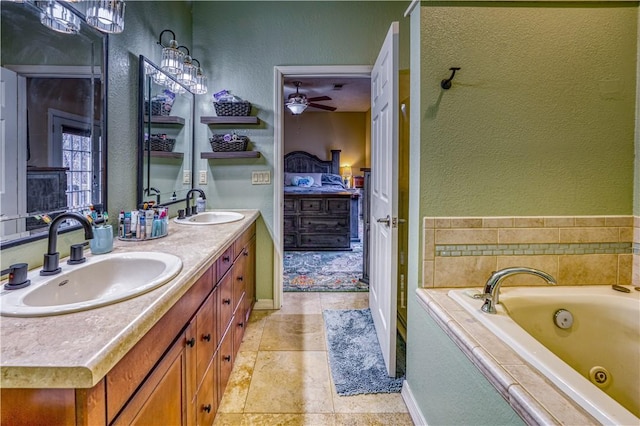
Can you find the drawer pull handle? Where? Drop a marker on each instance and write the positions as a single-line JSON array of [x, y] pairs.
[[226, 301], [191, 342], [240, 278], [241, 324], [226, 258], [206, 408], [227, 358], [206, 337], [246, 253]]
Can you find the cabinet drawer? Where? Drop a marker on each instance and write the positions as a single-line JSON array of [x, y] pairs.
[[238, 271], [338, 241], [225, 359], [225, 261], [239, 325], [290, 223], [206, 400], [290, 240], [333, 225], [205, 337], [311, 205], [225, 303], [341, 205], [289, 206], [244, 239]]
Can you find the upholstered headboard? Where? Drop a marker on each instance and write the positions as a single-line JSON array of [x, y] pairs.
[[303, 162]]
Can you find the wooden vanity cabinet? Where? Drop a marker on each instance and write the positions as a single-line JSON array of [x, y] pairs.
[[176, 373]]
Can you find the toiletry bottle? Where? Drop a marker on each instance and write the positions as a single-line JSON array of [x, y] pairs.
[[202, 204], [127, 224], [121, 224], [142, 234], [174, 196]]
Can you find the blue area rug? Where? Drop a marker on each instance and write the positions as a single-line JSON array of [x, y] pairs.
[[355, 357], [324, 270]]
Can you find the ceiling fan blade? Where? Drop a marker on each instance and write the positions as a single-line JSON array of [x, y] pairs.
[[319, 98], [325, 107]]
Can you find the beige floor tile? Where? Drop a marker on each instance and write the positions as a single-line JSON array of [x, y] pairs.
[[253, 332], [293, 333], [300, 303], [354, 300], [235, 395], [290, 382], [275, 419], [374, 419], [369, 403]]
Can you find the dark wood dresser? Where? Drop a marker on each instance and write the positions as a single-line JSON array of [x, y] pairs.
[[317, 221]]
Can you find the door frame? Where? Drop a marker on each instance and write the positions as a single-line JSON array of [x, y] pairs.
[[279, 74]]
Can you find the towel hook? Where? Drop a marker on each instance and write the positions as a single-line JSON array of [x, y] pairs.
[[446, 84]]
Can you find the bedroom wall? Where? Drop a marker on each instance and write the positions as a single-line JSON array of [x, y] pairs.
[[320, 132]]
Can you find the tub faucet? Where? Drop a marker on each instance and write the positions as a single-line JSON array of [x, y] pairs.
[[187, 210], [492, 287], [50, 265]]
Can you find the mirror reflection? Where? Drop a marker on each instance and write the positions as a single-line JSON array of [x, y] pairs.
[[166, 136], [53, 115]]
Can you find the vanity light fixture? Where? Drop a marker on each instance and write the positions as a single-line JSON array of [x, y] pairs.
[[57, 17], [188, 74], [172, 58], [106, 15], [200, 88]]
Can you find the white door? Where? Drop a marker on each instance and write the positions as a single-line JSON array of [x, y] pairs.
[[9, 177], [384, 197]]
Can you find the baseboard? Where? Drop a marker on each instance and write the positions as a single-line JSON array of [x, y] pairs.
[[264, 305], [415, 413]]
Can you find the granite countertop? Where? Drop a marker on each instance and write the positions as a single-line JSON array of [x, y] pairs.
[[77, 350], [530, 394]]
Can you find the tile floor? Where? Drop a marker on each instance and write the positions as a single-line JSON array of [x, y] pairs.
[[282, 376]]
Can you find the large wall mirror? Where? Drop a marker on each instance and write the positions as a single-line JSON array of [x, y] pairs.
[[53, 115], [165, 148]]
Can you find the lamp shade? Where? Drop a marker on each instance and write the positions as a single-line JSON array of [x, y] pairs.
[[346, 171], [106, 15]]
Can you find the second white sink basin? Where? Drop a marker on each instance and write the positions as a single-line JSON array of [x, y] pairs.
[[100, 281], [210, 218]]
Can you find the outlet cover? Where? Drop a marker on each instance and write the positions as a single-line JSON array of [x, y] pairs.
[[186, 176], [202, 177], [261, 177]]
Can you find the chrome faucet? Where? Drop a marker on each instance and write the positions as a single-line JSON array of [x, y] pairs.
[[187, 210], [492, 287], [51, 262]]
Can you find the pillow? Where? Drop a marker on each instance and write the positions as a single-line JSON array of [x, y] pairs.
[[303, 181], [331, 179], [317, 178]]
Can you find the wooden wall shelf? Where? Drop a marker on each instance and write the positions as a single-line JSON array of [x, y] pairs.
[[166, 154], [164, 119], [236, 154], [230, 120]]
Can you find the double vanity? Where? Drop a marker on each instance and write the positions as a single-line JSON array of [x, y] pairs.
[[165, 353]]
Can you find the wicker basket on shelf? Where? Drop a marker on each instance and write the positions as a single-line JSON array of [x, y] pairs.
[[236, 109], [158, 107], [228, 143], [159, 143]]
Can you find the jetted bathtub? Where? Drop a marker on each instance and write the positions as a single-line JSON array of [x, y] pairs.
[[594, 357]]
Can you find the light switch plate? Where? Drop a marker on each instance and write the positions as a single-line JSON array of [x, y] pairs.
[[202, 177], [261, 177], [186, 176]]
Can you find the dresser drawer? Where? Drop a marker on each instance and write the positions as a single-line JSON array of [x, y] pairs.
[[290, 223], [225, 261], [337, 241], [290, 206], [328, 224], [340, 205], [311, 205], [225, 303]]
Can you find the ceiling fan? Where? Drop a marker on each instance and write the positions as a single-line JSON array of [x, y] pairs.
[[298, 102]]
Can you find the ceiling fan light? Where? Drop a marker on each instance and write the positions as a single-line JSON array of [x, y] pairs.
[[106, 15], [58, 17], [296, 108]]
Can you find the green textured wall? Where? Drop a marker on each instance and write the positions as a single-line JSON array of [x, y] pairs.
[[540, 119]]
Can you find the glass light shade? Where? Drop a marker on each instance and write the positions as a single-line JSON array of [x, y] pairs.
[[160, 78], [58, 17], [172, 59], [188, 74], [175, 87], [297, 105], [200, 88], [106, 15]]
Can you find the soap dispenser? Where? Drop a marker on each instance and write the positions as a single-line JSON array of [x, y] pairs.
[[201, 204]]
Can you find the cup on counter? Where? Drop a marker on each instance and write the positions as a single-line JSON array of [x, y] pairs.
[[102, 241]]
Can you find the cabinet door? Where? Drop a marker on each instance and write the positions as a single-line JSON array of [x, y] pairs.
[[161, 397], [225, 354], [206, 400], [205, 336]]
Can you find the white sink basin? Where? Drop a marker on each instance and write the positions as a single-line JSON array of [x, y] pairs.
[[101, 280], [210, 218]]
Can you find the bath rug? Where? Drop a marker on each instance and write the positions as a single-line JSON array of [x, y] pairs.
[[324, 270], [355, 358]]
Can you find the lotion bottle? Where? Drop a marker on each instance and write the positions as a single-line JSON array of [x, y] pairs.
[[201, 205]]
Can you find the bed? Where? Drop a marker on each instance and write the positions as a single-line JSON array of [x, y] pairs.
[[320, 213]]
